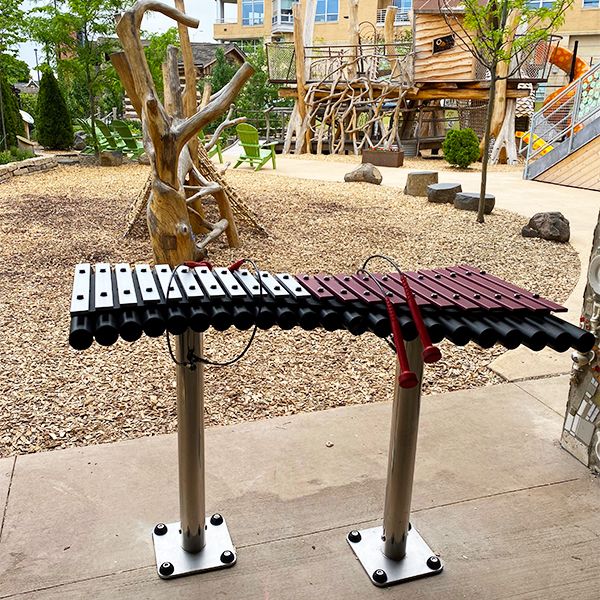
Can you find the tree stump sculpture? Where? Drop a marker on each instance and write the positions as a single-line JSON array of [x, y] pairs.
[[174, 223]]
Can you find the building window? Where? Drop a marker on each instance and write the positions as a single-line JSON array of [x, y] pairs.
[[404, 7], [591, 3], [533, 4], [327, 11], [253, 12]]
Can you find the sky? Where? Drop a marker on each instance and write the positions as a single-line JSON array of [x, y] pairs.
[[204, 10]]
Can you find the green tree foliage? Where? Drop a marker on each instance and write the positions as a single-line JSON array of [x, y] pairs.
[[14, 70], [482, 27], [461, 147], [76, 36], [12, 22], [11, 123], [54, 127], [222, 72], [12, 25], [257, 95], [156, 53]]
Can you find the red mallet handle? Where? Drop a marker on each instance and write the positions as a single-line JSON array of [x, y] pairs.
[[236, 265], [192, 263], [431, 353], [406, 379]]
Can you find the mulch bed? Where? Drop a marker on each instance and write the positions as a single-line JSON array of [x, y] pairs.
[[54, 397]]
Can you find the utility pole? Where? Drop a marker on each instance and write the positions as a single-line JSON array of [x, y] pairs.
[[37, 70]]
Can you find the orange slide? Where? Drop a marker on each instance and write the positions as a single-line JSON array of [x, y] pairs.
[[563, 58]]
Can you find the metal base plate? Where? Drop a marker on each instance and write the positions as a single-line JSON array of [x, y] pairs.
[[168, 551], [383, 571]]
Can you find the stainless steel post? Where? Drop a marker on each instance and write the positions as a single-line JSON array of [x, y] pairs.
[[401, 458], [190, 442]]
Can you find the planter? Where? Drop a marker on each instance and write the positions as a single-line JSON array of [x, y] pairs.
[[383, 158]]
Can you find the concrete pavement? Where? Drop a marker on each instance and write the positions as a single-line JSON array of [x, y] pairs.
[[511, 514], [512, 193]]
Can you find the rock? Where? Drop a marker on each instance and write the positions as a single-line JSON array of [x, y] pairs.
[[418, 181], [549, 226], [79, 141], [367, 173], [143, 159], [111, 158], [470, 201], [443, 192]]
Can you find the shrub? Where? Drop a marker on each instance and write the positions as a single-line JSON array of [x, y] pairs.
[[13, 124], [6, 157], [19, 154], [54, 127], [461, 147]]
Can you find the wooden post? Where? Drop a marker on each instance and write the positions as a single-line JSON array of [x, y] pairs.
[[389, 39], [353, 38], [300, 76], [190, 95], [512, 22]]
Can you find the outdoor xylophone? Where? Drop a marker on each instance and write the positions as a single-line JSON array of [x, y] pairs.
[[460, 303], [416, 309]]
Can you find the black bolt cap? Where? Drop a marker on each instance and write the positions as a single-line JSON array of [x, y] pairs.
[[160, 529], [379, 576], [216, 519], [227, 557], [166, 569], [434, 563], [354, 536]]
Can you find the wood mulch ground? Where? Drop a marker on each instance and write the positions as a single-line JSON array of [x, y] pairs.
[[54, 397]]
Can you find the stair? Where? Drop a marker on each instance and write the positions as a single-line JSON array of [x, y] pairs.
[[570, 125]]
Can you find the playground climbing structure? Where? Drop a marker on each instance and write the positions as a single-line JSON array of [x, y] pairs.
[[385, 91]]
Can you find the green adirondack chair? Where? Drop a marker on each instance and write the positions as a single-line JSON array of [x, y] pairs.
[[86, 126], [113, 140], [216, 149], [133, 144], [254, 151]]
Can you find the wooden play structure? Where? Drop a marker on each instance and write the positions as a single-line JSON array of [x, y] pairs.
[[386, 91], [182, 173]]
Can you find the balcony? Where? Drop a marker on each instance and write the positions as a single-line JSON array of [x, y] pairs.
[[402, 18], [282, 22]]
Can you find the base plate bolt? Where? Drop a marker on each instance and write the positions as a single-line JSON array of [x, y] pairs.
[[216, 519], [379, 576], [354, 536], [227, 557], [160, 529], [434, 563], [166, 569]]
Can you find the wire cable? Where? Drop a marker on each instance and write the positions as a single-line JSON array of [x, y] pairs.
[[192, 358]]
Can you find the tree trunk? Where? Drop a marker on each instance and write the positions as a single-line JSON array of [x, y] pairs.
[[486, 143]]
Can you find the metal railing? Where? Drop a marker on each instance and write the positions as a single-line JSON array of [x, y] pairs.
[[378, 62], [558, 121], [402, 18], [531, 64]]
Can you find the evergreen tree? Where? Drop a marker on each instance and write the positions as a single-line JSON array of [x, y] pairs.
[[54, 127], [11, 123]]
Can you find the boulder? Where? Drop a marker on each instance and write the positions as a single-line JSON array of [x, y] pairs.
[[470, 201], [367, 173], [549, 226], [111, 158], [79, 141], [417, 182], [443, 192]]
